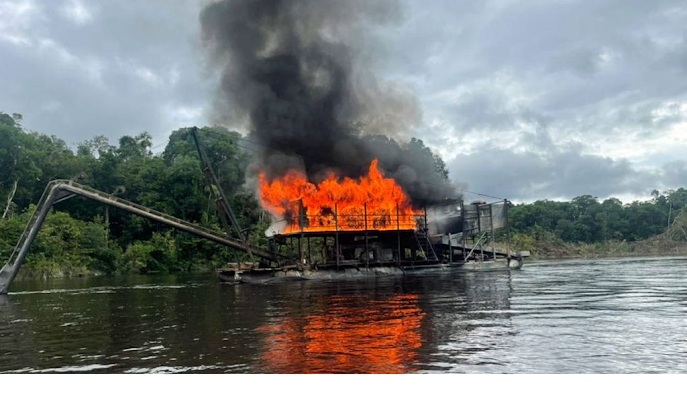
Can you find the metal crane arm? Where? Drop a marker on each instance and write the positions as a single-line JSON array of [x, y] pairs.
[[60, 189]]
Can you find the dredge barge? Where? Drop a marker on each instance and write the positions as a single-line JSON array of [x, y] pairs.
[[339, 239], [453, 236]]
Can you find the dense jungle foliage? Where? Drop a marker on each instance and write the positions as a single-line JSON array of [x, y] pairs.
[[552, 228], [81, 236]]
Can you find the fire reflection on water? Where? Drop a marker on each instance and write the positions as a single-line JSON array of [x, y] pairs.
[[353, 334]]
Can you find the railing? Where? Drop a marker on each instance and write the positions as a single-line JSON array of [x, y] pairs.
[[336, 222]]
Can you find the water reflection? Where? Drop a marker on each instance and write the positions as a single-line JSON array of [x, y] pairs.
[[390, 325], [604, 316], [353, 334]]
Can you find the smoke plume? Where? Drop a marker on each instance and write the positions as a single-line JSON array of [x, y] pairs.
[[299, 74]]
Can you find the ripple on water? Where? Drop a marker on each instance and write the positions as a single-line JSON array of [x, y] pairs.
[[604, 316]]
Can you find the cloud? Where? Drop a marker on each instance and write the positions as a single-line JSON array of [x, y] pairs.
[[561, 174], [81, 69], [675, 173], [552, 94], [16, 17], [558, 98], [76, 11]]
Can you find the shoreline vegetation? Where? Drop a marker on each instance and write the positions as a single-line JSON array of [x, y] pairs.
[[82, 238], [553, 248], [587, 228]]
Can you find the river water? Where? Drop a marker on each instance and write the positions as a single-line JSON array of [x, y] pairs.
[[603, 316]]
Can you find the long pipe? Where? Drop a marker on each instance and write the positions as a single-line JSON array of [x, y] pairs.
[[58, 187], [9, 272]]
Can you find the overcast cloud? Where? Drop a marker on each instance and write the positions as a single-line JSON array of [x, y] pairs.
[[80, 68], [525, 100]]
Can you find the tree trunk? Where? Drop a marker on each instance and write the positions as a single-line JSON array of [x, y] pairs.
[[9, 199]]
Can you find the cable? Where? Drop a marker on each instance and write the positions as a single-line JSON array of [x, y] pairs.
[[480, 194]]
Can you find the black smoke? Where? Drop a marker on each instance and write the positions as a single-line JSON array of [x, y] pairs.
[[299, 75]]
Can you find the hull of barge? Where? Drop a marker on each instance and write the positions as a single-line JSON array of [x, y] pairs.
[[266, 275]]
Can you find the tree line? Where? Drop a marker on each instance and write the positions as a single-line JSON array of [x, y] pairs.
[[588, 220], [81, 236]]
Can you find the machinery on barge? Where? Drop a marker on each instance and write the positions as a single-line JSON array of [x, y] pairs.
[[451, 236], [335, 242]]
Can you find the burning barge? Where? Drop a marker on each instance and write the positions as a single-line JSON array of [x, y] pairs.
[[454, 236], [343, 228], [333, 230]]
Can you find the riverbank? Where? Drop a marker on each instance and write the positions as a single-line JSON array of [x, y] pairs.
[[56, 271], [549, 246]]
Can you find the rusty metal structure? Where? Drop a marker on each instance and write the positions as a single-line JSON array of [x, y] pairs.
[[474, 233], [60, 190], [224, 211]]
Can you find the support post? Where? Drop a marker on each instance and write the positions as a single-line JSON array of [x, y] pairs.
[[493, 236], [336, 232], [479, 228], [426, 229], [505, 211], [9, 271], [450, 249], [463, 236], [367, 249], [398, 233], [301, 221]]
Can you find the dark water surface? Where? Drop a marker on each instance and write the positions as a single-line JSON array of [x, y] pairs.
[[605, 316]]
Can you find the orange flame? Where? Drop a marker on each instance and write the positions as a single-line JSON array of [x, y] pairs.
[[336, 204]]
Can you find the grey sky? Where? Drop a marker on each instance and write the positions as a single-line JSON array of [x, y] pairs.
[[525, 100], [82, 68]]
